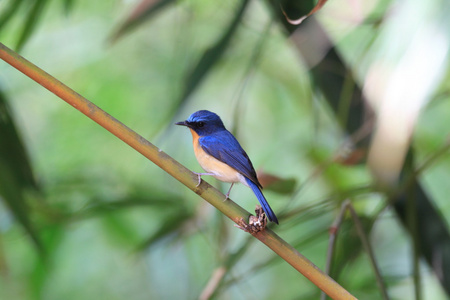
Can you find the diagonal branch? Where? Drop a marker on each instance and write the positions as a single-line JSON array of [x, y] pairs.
[[175, 169]]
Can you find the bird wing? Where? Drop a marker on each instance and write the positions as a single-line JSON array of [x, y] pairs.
[[223, 146]]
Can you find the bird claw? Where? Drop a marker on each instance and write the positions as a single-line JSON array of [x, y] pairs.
[[227, 196], [255, 223], [199, 180], [199, 176]]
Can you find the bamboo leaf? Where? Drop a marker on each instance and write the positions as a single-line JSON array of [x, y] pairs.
[[16, 175], [145, 10], [173, 226], [213, 54], [349, 245], [9, 11], [428, 228], [12, 149], [31, 23], [68, 6]]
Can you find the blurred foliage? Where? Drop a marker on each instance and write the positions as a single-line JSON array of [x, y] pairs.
[[16, 175], [294, 96], [31, 11]]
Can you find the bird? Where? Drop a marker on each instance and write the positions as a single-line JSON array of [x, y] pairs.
[[219, 153]]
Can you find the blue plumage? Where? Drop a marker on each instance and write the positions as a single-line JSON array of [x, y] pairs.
[[262, 200], [224, 146], [217, 150]]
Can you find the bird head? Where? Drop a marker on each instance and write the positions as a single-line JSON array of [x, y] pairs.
[[203, 122]]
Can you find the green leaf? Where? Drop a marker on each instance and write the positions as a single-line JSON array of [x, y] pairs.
[[173, 226], [31, 23], [12, 149], [142, 12], [16, 176], [425, 223], [213, 54], [9, 12], [68, 5], [348, 244]]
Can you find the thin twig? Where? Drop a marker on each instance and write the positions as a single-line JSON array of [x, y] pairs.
[[411, 213], [213, 283], [368, 248], [332, 242], [347, 205]]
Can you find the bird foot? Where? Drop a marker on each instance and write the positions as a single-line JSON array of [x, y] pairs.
[[199, 175], [227, 196], [255, 223], [199, 178]]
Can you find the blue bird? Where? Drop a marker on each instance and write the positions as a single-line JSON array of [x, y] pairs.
[[221, 156]]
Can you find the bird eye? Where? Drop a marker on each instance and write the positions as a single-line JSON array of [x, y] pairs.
[[201, 124]]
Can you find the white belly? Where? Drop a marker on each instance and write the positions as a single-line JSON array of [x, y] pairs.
[[221, 171]]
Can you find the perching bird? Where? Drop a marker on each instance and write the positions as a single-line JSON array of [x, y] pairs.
[[221, 156]]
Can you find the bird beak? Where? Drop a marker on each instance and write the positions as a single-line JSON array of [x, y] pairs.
[[182, 123]]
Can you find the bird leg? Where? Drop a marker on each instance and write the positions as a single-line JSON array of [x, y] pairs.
[[200, 177], [227, 196]]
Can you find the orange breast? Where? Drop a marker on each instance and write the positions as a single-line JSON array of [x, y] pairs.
[[210, 164]]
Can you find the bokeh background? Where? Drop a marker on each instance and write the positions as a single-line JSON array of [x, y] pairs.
[[353, 103]]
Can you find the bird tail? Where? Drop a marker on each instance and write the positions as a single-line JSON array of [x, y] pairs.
[[262, 200]]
